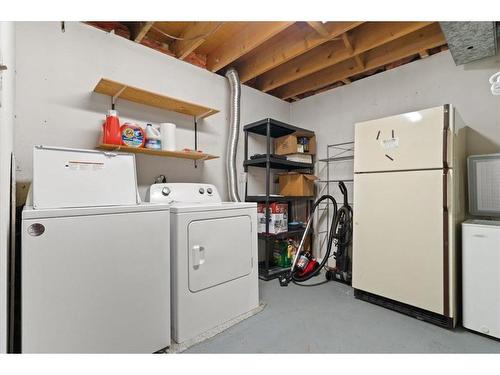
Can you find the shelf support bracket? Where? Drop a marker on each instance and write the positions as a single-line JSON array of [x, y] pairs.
[[115, 97], [195, 138]]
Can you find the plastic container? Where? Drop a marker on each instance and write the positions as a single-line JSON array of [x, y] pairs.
[[111, 133], [132, 135], [153, 138]]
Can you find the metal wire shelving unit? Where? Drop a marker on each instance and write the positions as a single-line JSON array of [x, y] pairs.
[[335, 153]]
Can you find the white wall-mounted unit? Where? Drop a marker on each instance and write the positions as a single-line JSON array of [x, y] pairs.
[[408, 194]]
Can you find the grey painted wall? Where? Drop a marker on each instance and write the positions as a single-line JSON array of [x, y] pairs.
[[56, 73]]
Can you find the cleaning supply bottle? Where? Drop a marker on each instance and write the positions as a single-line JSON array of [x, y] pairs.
[[153, 137], [132, 135], [111, 134]]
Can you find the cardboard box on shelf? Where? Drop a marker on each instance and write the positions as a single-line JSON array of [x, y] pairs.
[[289, 144], [278, 220], [295, 184]]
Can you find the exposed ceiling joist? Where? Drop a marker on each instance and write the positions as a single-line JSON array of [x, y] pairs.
[[359, 60], [320, 28], [293, 44], [252, 36], [365, 37], [347, 42], [426, 38], [193, 37], [141, 30]]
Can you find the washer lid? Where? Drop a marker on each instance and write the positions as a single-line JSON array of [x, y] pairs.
[[30, 213], [199, 207], [64, 177]]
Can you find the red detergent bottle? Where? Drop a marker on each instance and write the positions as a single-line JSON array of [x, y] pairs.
[[111, 133]]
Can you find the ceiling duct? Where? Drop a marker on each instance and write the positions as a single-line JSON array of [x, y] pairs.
[[469, 41]]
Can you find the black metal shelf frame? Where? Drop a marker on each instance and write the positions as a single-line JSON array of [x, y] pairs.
[[271, 128]]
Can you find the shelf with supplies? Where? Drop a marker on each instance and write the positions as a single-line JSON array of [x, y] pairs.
[[287, 140], [119, 90], [192, 155]]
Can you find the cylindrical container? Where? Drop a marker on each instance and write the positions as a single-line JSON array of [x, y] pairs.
[[153, 137], [167, 131], [132, 135], [111, 129]]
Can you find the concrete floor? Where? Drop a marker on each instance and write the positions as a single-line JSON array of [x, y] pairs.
[[328, 319]]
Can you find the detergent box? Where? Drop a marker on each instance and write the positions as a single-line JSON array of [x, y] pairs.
[[278, 220]]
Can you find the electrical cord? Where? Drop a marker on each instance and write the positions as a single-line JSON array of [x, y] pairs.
[[196, 37]]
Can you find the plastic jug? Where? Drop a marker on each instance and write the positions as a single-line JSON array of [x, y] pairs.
[[111, 129], [153, 137]]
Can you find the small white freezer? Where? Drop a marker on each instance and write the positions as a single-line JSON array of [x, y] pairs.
[[95, 261]]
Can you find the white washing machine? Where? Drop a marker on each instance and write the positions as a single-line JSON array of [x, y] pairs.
[[213, 257], [95, 260]]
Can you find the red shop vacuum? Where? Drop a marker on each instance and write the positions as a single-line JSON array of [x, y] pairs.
[[304, 265]]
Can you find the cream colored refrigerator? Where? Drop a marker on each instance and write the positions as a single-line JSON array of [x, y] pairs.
[[409, 198]]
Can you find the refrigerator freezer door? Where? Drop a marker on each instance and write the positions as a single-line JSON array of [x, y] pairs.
[[398, 237], [404, 142], [96, 284]]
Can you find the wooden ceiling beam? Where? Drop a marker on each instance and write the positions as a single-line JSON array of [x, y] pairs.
[[426, 38], [294, 43], [320, 28], [140, 30], [347, 42], [252, 36], [363, 38], [194, 36]]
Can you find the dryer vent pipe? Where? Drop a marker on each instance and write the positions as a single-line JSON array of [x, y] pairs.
[[234, 134]]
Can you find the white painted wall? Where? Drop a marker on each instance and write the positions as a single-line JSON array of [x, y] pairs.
[[56, 106], [7, 90], [421, 84]]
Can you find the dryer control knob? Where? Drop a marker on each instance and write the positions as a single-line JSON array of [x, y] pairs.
[[209, 190], [165, 191], [201, 191]]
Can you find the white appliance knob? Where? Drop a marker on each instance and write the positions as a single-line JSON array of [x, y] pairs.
[[209, 190], [202, 191], [165, 191]]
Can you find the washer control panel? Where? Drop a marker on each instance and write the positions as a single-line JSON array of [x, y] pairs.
[[183, 193]]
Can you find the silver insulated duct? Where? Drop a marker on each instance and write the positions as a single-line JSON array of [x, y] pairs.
[[234, 134]]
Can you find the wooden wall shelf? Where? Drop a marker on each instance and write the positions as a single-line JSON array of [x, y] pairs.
[[192, 155], [119, 90]]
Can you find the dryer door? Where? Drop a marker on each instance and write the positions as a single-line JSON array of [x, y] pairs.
[[220, 250]]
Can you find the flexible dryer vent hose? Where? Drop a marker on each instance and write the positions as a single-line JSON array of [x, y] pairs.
[[234, 134]]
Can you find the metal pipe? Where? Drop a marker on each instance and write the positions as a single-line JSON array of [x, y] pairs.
[[234, 133]]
